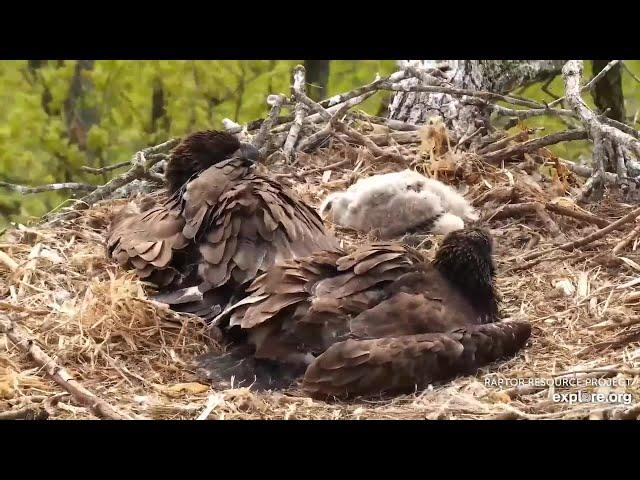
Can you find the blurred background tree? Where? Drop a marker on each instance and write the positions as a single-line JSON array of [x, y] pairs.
[[59, 115]]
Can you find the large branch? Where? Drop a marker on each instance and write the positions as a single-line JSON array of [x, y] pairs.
[[609, 142]]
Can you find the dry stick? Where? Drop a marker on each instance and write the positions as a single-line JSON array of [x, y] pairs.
[[626, 240], [371, 87], [587, 172], [529, 208], [326, 131], [529, 112], [260, 141], [584, 216], [9, 262], [316, 117], [608, 325], [533, 263], [589, 238], [344, 128], [392, 124], [591, 83], [622, 126], [108, 168], [25, 190], [460, 92], [535, 144], [140, 166], [83, 396], [504, 142], [298, 88]]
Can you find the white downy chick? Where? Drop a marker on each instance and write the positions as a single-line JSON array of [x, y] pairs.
[[394, 203]]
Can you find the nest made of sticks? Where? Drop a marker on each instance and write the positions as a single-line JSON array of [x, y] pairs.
[[58, 289]]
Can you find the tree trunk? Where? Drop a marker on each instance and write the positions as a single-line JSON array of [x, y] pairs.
[[497, 76], [159, 118], [79, 116], [607, 93], [317, 75]]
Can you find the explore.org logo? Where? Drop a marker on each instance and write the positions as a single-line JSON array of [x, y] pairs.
[[587, 397]]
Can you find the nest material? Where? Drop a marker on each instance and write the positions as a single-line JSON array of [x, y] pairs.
[[95, 319]]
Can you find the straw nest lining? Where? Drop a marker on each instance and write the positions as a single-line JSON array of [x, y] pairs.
[[94, 319]]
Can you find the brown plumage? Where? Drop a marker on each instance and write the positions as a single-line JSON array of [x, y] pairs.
[[381, 319], [218, 226]]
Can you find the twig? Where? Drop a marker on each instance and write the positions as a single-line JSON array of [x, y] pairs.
[[25, 190], [108, 168], [371, 87], [344, 128], [529, 208], [260, 141], [9, 262], [326, 131], [589, 238], [533, 263], [316, 117], [535, 144], [460, 92], [626, 240], [392, 124], [530, 112], [141, 164], [212, 402], [83, 396], [504, 142]]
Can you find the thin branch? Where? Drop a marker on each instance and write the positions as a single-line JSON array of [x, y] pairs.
[[530, 112], [141, 163], [63, 378], [370, 87], [584, 216], [626, 240], [528, 208], [344, 128], [629, 217], [327, 130], [460, 92], [25, 190], [260, 141], [108, 168], [633, 75], [535, 144]]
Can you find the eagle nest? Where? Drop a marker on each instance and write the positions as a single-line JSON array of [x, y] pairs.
[[72, 318]]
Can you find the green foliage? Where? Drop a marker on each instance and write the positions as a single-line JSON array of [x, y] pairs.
[[40, 143], [47, 134]]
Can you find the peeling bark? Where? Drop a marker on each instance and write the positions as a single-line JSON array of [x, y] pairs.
[[499, 76]]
